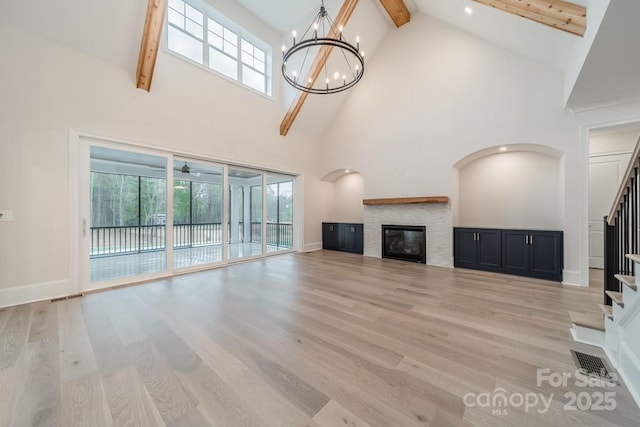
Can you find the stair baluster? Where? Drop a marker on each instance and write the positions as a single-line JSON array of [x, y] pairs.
[[622, 227]]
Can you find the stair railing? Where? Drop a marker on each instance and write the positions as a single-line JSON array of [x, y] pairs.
[[622, 227]]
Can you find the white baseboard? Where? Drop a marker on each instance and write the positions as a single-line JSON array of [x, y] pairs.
[[573, 278], [17, 295], [310, 247]]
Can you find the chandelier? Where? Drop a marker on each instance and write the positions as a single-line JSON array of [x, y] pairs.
[[343, 62]]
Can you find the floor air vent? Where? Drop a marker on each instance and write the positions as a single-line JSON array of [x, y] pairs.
[[66, 297], [592, 365]]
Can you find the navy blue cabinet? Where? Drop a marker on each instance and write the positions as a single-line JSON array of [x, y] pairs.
[[532, 253], [343, 237], [477, 248], [330, 236]]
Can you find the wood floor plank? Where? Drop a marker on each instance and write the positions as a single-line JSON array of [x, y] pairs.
[[338, 385], [322, 338], [84, 402], [10, 380], [14, 336], [252, 388], [123, 318], [39, 399], [76, 353], [334, 414], [44, 321], [306, 397], [128, 400], [107, 347], [167, 391], [5, 314], [195, 418], [218, 399]]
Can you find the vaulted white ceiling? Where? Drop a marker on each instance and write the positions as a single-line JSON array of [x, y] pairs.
[[606, 73], [512, 32]]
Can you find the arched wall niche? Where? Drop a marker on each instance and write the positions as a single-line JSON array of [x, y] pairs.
[[512, 186], [348, 192]]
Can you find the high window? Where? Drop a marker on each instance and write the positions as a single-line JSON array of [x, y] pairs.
[[197, 32]]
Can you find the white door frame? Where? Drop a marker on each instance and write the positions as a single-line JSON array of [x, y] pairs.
[[621, 159]]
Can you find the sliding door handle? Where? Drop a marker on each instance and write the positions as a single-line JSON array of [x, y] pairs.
[[531, 239]]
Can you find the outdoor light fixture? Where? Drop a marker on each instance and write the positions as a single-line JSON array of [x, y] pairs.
[[344, 65]]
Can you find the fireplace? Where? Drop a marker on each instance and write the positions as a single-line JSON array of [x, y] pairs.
[[404, 242]]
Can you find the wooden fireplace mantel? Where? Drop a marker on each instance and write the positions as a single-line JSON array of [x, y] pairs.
[[406, 200]]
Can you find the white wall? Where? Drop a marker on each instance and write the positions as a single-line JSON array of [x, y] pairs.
[[434, 94], [348, 192], [582, 45], [49, 88], [511, 189], [619, 142]]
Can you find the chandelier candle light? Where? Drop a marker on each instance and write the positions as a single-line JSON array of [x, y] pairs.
[[343, 67]]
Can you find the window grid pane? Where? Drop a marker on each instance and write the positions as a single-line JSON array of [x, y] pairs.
[[195, 15], [214, 27], [176, 19], [177, 5], [247, 59], [185, 45], [230, 36], [188, 37], [230, 49], [247, 47], [221, 63], [194, 29], [215, 41]]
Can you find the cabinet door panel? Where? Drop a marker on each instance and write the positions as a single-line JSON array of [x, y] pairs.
[[330, 236], [546, 253], [359, 239], [515, 251], [348, 237], [464, 247], [489, 248]]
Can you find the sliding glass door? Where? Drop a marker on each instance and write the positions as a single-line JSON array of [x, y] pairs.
[[197, 213], [127, 227], [279, 212], [245, 199], [146, 213]]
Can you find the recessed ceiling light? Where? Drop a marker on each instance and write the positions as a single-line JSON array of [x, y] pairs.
[[503, 148], [468, 10], [347, 171]]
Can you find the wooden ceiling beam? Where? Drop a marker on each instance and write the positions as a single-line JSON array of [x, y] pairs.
[[559, 14], [318, 64], [150, 43], [398, 11]]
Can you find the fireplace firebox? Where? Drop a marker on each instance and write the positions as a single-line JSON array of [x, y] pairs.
[[404, 242]]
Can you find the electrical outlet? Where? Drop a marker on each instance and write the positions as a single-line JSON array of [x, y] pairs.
[[6, 215]]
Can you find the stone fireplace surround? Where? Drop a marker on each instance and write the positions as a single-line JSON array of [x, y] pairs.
[[437, 217]]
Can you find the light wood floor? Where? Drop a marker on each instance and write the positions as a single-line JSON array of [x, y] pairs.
[[319, 339]]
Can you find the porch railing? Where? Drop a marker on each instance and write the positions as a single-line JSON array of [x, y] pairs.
[[190, 235], [622, 233], [120, 240], [278, 234]]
